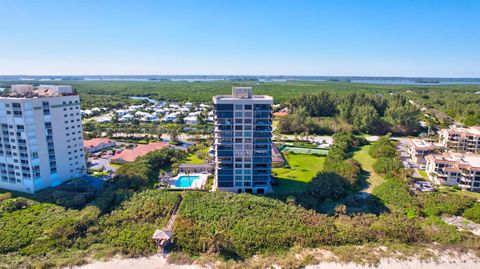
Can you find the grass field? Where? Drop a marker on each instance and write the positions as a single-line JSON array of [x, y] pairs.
[[371, 178], [193, 159], [115, 165], [422, 173], [302, 169]]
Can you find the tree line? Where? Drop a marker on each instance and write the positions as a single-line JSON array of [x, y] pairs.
[[324, 113]]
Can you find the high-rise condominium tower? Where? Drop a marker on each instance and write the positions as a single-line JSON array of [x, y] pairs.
[[41, 142], [243, 138]]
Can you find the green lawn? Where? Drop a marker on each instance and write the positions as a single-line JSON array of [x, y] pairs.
[[115, 165], [302, 169], [372, 179], [422, 173], [193, 159]]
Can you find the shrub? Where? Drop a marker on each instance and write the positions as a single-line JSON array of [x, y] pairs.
[[149, 206], [348, 169], [396, 193], [473, 213], [387, 165], [438, 231], [396, 226], [355, 229], [436, 204], [384, 147], [14, 204], [328, 186], [243, 225]]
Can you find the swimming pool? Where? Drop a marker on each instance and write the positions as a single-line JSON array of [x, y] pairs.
[[186, 181]]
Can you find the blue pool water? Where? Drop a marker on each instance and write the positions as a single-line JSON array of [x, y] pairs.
[[185, 182]]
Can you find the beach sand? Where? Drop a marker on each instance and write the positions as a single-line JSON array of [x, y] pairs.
[[159, 262]]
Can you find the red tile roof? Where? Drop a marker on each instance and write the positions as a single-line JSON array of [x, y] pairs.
[[91, 143], [280, 114], [130, 155]]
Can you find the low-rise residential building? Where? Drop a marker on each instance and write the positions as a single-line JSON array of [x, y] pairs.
[[170, 117], [455, 169], [281, 113], [130, 155], [418, 149], [121, 112], [191, 120], [461, 139], [97, 144], [195, 168]]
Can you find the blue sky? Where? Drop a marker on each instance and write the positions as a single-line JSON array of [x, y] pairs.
[[270, 37]]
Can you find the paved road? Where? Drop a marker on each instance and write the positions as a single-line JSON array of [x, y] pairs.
[[101, 162]]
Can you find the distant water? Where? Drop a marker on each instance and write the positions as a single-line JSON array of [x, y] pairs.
[[144, 98], [409, 82], [258, 79]]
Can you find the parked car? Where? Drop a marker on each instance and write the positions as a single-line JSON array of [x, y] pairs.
[[424, 186]]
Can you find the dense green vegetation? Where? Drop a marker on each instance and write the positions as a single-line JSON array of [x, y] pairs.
[[387, 163], [395, 193], [338, 158], [324, 113], [121, 218], [239, 226], [114, 101], [456, 101], [436, 204], [473, 213], [446, 105]]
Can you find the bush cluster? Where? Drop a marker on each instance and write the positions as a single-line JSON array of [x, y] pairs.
[[436, 204], [239, 226], [121, 219], [387, 163], [473, 213], [337, 162]]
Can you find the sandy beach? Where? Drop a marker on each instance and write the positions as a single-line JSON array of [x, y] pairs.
[[159, 262]]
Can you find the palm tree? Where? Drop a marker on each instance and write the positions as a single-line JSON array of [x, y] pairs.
[[217, 241], [159, 132], [188, 177], [173, 132]]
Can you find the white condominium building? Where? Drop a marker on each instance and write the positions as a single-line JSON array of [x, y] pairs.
[[455, 169], [418, 149], [461, 139], [41, 142]]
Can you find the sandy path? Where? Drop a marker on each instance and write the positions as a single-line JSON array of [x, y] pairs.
[[153, 262]]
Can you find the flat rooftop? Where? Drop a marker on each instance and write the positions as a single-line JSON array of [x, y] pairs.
[[474, 130], [242, 93], [20, 91], [422, 144], [471, 161]]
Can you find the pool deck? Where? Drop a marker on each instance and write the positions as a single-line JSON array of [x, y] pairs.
[[196, 184]]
